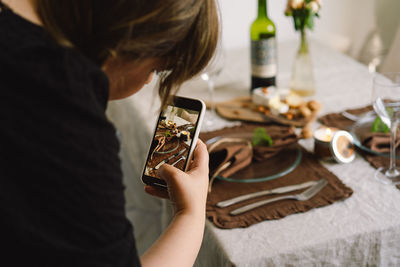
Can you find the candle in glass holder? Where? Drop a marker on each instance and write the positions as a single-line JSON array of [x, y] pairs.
[[322, 141], [332, 143]]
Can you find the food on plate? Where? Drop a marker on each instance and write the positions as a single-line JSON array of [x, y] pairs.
[[277, 106], [314, 105], [270, 98], [283, 103], [306, 132], [261, 108], [168, 124], [184, 135], [305, 111], [294, 100], [262, 95]]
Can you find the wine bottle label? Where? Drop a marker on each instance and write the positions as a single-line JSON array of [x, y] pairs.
[[263, 58]]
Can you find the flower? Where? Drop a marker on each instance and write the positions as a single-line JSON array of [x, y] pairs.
[[303, 12], [296, 4], [313, 6]]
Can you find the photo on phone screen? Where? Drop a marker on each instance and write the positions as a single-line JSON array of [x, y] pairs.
[[172, 140]]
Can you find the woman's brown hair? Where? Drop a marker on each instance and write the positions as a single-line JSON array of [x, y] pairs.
[[183, 33]]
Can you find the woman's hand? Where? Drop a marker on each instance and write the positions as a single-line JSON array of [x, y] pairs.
[[187, 191]]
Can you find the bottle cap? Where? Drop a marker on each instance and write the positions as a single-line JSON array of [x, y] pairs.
[[342, 147]]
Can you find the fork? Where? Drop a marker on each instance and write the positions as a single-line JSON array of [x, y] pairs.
[[353, 117], [181, 158], [306, 195]]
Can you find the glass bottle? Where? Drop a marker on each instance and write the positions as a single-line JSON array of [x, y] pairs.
[[263, 49], [302, 81]]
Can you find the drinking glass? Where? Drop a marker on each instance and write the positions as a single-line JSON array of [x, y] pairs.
[[209, 75], [386, 102]]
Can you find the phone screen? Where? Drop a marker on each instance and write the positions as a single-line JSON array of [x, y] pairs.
[[172, 140]]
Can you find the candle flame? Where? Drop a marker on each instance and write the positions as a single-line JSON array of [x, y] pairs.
[[328, 133]]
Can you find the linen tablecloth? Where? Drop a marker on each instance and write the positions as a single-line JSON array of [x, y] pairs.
[[363, 230]]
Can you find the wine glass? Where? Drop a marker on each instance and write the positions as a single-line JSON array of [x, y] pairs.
[[386, 102], [209, 75]]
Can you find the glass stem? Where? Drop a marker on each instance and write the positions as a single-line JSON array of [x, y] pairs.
[[304, 45], [211, 91], [392, 171]]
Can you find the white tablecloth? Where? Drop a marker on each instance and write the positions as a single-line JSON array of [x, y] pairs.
[[362, 230]]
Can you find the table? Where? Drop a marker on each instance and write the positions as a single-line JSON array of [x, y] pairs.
[[362, 230]]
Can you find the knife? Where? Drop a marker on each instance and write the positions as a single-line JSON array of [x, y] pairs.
[[181, 158], [169, 158], [303, 196], [278, 190]]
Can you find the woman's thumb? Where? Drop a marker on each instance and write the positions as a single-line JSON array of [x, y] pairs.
[[168, 173]]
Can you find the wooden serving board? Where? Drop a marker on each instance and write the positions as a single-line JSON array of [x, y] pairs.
[[242, 108]]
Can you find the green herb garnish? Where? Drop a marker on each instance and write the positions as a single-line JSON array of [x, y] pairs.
[[260, 137], [168, 133], [191, 131], [379, 126]]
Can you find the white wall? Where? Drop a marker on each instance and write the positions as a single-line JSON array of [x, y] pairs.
[[340, 20]]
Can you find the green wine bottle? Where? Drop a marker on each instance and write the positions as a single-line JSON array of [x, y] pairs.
[[263, 49]]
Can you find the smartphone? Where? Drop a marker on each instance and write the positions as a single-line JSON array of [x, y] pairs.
[[175, 137]]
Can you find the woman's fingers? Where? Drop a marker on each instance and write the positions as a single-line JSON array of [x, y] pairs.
[[168, 172], [200, 158], [181, 186], [157, 192]]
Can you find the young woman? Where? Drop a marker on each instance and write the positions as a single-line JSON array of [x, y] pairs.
[[61, 191]]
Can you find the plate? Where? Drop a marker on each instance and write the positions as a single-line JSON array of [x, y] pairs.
[[241, 109], [269, 169], [362, 127], [168, 147]]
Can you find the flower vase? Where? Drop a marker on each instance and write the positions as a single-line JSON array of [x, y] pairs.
[[171, 113], [302, 81]]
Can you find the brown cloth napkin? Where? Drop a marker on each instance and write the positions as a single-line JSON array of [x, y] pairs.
[[339, 121], [374, 141], [157, 158], [379, 142], [234, 151], [282, 137], [229, 155], [308, 169]]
